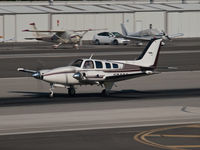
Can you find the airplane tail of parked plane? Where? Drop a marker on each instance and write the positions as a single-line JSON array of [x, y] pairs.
[[36, 34], [124, 31]]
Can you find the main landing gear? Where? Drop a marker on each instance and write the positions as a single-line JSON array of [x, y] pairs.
[[108, 86], [71, 91], [105, 92]]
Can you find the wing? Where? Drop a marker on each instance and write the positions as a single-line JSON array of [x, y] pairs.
[[33, 38], [86, 30], [175, 35], [26, 70], [50, 31], [140, 38], [124, 77]]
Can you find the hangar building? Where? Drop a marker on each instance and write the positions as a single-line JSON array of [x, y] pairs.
[[170, 16]]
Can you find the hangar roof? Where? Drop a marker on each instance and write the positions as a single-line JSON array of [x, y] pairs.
[[101, 7]]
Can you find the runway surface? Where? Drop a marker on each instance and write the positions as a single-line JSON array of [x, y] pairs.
[[156, 112], [183, 54]]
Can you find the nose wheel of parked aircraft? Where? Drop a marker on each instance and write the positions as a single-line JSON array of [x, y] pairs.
[[71, 91]]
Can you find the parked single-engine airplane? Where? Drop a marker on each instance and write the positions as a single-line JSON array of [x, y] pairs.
[[100, 72], [59, 36], [148, 34]]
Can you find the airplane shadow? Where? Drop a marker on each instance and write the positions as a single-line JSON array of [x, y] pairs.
[[43, 97]]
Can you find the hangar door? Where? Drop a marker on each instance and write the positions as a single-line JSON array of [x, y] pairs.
[[187, 23], [144, 19]]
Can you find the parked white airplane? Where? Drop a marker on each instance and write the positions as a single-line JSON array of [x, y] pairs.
[[59, 36], [148, 34], [100, 72]]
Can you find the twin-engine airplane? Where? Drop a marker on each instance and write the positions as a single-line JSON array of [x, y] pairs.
[[100, 72], [59, 36]]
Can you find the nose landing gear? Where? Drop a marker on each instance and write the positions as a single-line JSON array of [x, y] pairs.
[[51, 91]]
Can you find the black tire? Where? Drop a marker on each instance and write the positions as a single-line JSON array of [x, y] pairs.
[[105, 93], [115, 42], [71, 92], [97, 42]]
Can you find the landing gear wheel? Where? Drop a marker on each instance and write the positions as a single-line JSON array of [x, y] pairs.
[[76, 46], [105, 93], [71, 91], [51, 91], [51, 94]]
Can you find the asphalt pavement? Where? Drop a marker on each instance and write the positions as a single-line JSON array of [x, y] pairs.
[[149, 113]]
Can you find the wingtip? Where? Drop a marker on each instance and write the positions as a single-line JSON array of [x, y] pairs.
[[25, 30], [32, 24], [20, 69]]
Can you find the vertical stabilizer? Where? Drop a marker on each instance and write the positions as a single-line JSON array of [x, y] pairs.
[[36, 34], [124, 31], [149, 56]]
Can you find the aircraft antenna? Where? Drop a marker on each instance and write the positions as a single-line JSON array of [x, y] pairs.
[[91, 56]]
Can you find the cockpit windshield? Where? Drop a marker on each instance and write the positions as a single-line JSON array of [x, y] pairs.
[[77, 63], [117, 34]]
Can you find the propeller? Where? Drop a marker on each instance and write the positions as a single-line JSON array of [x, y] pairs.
[[165, 35], [38, 75]]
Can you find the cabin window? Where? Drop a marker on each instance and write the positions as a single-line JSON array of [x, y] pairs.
[[108, 65], [115, 66], [98, 64], [77, 63], [88, 64]]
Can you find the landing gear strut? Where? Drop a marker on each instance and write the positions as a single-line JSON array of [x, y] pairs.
[[71, 91], [51, 91]]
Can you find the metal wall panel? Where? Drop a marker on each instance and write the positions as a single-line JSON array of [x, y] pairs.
[[23, 21], [1, 28], [9, 28], [187, 23], [144, 19]]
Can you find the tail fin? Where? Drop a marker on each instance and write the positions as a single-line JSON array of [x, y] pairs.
[[124, 31], [36, 34], [149, 56]]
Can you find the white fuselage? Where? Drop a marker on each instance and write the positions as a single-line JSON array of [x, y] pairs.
[[77, 75]]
